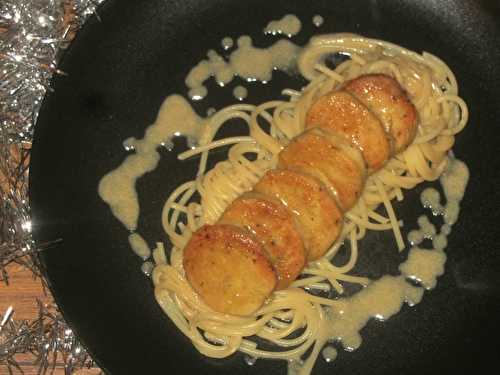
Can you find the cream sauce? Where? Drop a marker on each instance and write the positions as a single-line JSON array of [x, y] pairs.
[[139, 245], [248, 62], [430, 198], [289, 25], [380, 300], [424, 266], [175, 118], [426, 230]]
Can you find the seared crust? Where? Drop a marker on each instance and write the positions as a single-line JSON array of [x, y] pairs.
[[318, 216], [340, 112], [314, 154], [228, 268], [387, 99], [274, 226]]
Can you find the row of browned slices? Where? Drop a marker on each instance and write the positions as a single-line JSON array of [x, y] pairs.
[[294, 214]]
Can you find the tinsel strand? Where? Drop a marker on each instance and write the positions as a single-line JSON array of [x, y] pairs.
[[32, 35]]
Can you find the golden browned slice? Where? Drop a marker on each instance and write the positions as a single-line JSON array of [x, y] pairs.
[[228, 268], [387, 99], [332, 161], [341, 112], [318, 216], [275, 227]]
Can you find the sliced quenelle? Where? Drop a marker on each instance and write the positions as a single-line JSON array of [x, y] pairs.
[[318, 215], [341, 112], [276, 229], [229, 269], [387, 99], [331, 159]]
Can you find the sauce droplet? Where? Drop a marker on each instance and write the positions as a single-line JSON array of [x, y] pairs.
[[227, 43], [289, 25], [240, 92], [250, 361], [329, 353], [147, 268], [317, 20]]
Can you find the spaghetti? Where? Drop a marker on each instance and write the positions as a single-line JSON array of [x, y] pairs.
[[293, 319]]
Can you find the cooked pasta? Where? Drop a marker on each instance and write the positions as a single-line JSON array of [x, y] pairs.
[[292, 320]]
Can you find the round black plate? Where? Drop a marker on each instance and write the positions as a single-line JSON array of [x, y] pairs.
[[119, 71]]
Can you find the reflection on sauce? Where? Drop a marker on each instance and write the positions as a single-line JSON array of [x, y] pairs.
[[289, 25], [197, 93], [248, 62], [117, 188], [139, 245]]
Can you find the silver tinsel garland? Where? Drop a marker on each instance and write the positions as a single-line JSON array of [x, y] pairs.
[[32, 35]]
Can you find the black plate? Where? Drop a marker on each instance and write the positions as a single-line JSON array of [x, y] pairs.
[[120, 70]]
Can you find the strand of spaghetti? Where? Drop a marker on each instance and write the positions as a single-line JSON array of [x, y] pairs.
[[353, 257], [169, 224], [354, 279], [327, 275], [330, 73], [215, 144], [360, 228], [324, 287], [285, 120], [381, 219], [222, 328], [400, 181], [291, 92], [178, 207], [439, 65], [339, 242], [399, 195], [463, 110], [274, 325], [312, 317], [392, 215], [382, 65], [431, 154], [278, 337], [436, 130], [358, 59], [260, 135], [306, 281], [320, 341]]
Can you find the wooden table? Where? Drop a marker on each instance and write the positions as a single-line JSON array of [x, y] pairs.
[[22, 294]]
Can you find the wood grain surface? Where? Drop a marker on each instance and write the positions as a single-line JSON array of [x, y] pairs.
[[21, 294]]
